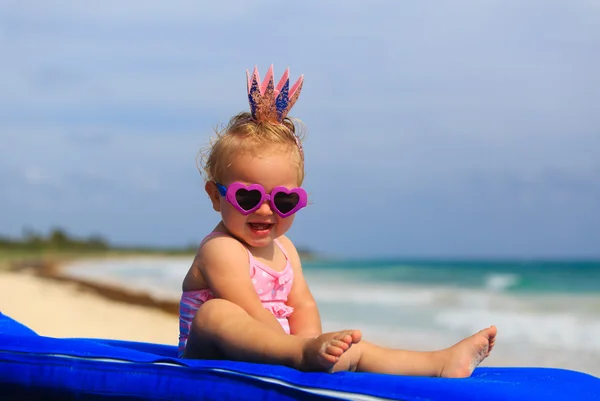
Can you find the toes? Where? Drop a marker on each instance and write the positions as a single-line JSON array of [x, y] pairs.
[[344, 346], [344, 336], [356, 336], [492, 342], [489, 333], [350, 336], [337, 347], [329, 357], [334, 350]]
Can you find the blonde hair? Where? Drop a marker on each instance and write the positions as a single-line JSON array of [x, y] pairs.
[[244, 135]]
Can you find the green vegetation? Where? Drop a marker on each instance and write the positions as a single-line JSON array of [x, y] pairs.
[[57, 245], [58, 240]]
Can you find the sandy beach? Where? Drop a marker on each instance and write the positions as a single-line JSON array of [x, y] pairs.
[[63, 309]]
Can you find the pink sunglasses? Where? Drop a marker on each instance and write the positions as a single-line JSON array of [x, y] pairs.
[[249, 198]]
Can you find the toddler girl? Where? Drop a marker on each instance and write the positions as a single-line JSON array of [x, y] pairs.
[[245, 297]]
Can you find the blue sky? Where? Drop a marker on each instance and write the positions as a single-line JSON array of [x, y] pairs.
[[435, 129]]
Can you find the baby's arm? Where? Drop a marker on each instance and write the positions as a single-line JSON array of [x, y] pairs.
[[305, 321], [224, 264]]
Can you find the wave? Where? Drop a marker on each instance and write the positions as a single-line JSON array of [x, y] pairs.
[[501, 281], [572, 331], [160, 276], [515, 276]]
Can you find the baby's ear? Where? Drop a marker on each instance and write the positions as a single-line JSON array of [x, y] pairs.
[[213, 193]]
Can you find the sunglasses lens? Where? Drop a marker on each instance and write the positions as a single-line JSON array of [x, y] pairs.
[[247, 199], [286, 202]]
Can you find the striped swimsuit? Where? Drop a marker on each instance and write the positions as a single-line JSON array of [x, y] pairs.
[[272, 288]]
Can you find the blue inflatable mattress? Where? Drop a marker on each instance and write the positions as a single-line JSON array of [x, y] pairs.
[[34, 367]]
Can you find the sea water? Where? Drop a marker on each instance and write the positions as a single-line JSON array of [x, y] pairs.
[[547, 312]]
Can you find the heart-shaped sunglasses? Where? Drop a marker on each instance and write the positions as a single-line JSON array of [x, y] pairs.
[[249, 198]]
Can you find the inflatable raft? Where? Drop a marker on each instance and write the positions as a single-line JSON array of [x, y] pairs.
[[34, 367]]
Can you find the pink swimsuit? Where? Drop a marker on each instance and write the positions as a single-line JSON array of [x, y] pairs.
[[272, 288]]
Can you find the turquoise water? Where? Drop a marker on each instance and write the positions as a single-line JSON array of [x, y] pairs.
[[511, 276]]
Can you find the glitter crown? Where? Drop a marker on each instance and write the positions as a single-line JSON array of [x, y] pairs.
[[269, 102]]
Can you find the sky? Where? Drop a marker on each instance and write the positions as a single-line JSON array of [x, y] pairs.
[[465, 129]]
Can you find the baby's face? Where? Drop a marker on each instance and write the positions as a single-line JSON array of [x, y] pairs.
[[269, 169]]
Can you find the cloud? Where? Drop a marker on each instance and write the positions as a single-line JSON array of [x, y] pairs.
[[447, 108]]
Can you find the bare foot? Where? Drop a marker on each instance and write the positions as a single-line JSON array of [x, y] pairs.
[[322, 353], [462, 358]]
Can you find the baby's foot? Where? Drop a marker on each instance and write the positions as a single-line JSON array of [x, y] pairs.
[[462, 358], [322, 353]]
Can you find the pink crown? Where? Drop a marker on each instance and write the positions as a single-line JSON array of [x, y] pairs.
[[270, 103]]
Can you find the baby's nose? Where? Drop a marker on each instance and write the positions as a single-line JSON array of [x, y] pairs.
[[264, 209]]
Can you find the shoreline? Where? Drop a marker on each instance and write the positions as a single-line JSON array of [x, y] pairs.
[[53, 270]]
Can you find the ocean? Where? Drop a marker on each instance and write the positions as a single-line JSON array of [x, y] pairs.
[[547, 312]]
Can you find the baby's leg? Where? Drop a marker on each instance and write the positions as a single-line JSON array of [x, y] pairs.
[[457, 361], [223, 330]]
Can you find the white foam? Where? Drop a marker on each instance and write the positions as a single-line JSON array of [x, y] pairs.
[[160, 276], [371, 294], [501, 281], [573, 331]]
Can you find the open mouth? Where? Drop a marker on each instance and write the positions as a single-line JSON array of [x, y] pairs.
[[260, 227]]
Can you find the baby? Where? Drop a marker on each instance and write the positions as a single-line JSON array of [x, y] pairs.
[[245, 297]]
